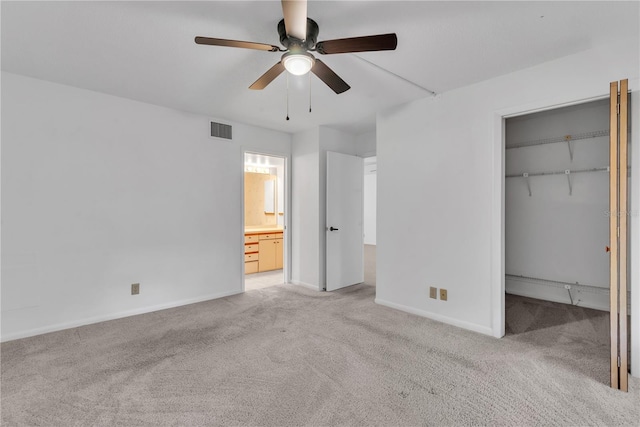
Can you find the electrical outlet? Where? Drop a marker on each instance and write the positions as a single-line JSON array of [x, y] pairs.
[[135, 288], [443, 294], [433, 292], [567, 287]]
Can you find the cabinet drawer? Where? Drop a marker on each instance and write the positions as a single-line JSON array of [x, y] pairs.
[[250, 257], [271, 236], [249, 238], [253, 247], [250, 267]]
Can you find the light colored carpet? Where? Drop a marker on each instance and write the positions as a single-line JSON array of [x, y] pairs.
[[580, 334], [287, 355]]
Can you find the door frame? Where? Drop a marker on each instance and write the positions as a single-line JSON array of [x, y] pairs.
[[364, 159], [499, 196], [286, 257], [497, 251]]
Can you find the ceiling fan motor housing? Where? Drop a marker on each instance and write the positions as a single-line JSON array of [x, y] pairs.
[[292, 43]]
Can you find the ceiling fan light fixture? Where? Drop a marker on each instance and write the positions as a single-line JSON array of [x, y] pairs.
[[299, 63]]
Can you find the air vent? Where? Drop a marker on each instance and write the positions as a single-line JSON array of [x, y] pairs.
[[220, 130]]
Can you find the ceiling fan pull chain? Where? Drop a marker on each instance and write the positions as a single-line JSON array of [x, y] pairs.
[[287, 96], [309, 92]]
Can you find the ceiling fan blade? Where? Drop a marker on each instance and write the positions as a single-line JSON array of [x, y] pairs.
[[295, 18], [329, 77], [237, 43], [268, 77], [358, 44]]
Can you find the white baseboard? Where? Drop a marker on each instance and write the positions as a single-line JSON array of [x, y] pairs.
[[438, 317], [112, 316], [306, 285]]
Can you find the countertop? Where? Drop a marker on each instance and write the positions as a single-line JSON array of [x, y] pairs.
[[263, 229]]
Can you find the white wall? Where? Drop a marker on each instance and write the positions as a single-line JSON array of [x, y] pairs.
[[440, 187], [366, 144], [100, 192], [552, 234], [370, 197], [305, 209]]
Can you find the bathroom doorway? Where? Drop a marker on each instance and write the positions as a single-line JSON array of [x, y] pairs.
[[264, 220]]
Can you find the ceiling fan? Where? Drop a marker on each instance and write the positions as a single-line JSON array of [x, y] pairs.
[[299, 34]]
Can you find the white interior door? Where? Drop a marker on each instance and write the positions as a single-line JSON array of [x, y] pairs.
[[345, 197]]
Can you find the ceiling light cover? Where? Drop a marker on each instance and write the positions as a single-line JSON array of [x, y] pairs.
[[298, 64]]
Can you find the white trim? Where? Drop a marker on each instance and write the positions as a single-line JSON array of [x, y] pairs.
[[306, 285], [113, 316], [498, 195], [497, 264], [634, 225], [444, 319], [241, 257]]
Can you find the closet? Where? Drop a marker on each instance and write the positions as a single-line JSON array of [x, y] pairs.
[[557, 205], [566, 208]]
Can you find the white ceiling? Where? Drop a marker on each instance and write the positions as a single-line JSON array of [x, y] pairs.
[[145, 51]]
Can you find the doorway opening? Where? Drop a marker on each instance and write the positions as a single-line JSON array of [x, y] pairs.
[[264, 220], [370, 219], [557, 233]]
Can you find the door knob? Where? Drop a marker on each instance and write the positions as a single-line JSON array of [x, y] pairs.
[[333, 229]]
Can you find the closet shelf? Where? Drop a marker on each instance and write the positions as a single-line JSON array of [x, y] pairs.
[[556, 284], [564, 138], [566, 172], [560, 285]]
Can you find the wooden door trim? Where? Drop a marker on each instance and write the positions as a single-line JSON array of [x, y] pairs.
[[613, 230], [619, 209], [622, 218]]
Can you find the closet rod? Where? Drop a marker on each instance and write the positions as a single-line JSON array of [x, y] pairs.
[[564, 172], [565, 138]]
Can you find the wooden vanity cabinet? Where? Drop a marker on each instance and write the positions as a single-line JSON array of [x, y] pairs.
[[270, 252], [263, 251], [279, 253], [251, 254]]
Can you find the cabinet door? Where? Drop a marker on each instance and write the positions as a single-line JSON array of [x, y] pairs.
[[250, 267], [267, 260], [278, 253]]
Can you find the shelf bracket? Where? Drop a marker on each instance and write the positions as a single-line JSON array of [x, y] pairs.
[[568, 174], [526, 178], [569, 145]]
